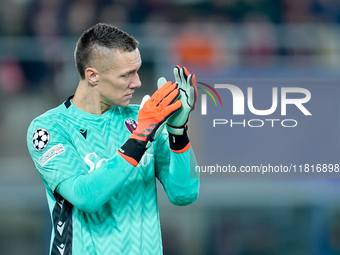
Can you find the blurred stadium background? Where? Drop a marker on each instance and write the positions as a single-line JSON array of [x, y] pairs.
[[216, 38]]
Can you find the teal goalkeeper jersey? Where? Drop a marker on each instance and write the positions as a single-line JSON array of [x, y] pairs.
[[114, 207]]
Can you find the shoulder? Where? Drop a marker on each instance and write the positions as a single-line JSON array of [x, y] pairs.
[[49, 117], [52, 120]]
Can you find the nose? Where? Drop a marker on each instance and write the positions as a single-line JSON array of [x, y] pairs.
[[135, 82]]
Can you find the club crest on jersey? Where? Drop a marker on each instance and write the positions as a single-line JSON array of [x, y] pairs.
[[130, 124]]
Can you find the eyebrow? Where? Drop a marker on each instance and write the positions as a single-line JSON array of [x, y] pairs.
[[128, 72], [132, 70]]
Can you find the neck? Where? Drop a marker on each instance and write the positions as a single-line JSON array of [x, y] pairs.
[[87, 99]]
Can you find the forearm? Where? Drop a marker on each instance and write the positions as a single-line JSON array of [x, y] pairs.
[[183, 182], [180, 180], [90, 191]]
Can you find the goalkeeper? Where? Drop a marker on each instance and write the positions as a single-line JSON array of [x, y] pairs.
[[99, 156]]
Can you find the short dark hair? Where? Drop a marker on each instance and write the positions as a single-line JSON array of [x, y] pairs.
[[103, 35]]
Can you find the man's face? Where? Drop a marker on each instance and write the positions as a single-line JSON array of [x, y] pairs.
[[117, 84]]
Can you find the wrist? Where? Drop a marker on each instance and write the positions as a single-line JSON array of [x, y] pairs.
[[176, 130], [132, 151], [179, 143]]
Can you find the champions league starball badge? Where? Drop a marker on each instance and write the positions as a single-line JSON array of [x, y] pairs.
[[41, 137]]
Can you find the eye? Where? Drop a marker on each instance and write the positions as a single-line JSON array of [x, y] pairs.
[[125, 76]]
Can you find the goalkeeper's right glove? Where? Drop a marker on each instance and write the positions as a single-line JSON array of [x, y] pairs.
[[151, 117]]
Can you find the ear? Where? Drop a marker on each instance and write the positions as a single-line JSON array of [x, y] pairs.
[[91, 75]]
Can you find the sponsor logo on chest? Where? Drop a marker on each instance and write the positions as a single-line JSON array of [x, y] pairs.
[[93, 161]]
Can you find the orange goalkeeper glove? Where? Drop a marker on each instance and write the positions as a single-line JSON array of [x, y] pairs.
[[155, 111]]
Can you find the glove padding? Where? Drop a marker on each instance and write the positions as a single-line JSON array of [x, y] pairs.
[[155, 111], [187, 95], [151, 118]]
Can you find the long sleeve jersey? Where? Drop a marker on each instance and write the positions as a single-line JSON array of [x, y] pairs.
[[99, 203]]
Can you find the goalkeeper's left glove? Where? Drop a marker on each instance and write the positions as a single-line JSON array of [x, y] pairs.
[[176, 124]]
